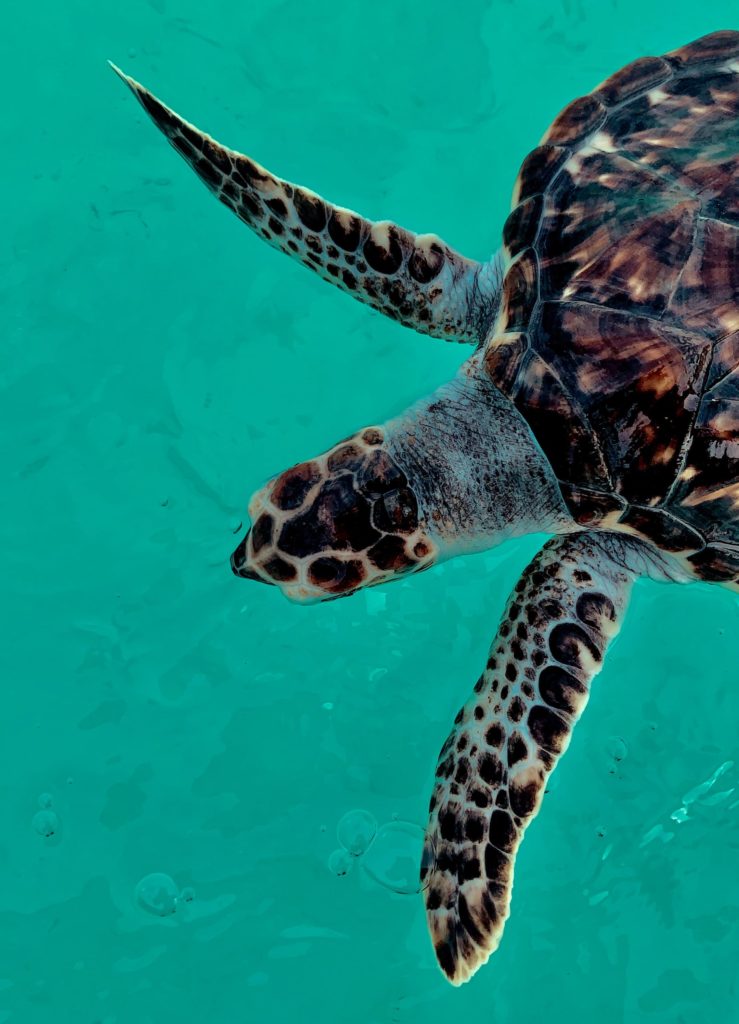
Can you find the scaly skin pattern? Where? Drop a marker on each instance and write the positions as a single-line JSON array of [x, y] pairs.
[[493, 768]]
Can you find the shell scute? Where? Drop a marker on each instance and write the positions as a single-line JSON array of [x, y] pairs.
[[634, 379], [522, 225], [597, 198], [520, 292], [641, 271], [707, 490], [644, 73], [663, 529], [707, 297], [718, 46], [589, 507], [716, 563], [684, 132], [537, 171], [725, 359], [578, 119], [561, 428], [503, 361]]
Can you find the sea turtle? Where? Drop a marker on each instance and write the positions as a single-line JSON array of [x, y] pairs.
[[600, 405]]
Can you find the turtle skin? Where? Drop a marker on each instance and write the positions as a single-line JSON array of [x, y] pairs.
[[617, 336]]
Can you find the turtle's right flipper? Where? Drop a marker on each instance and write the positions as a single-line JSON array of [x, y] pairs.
[[493, 768], [415, 279]]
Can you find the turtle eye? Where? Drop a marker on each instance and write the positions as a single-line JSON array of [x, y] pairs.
[[327, 570], [396, 511], [335, 576], [379, 474], [261, 532], [348, 458]]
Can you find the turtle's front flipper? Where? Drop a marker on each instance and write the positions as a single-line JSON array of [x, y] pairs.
[[415, 279], [506, 740]]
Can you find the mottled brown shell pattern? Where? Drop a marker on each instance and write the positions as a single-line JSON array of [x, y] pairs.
[[618, 331]]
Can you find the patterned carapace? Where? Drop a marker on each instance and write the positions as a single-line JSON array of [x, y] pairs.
[[618, 332]]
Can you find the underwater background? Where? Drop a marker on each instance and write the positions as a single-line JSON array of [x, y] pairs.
[[161, 717]]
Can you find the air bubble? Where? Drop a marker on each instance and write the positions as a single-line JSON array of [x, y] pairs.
[[401, 855], [617, 749], [340, 863], [356, 831], [187, 895], [157, 894], [45, 801], [46, 823]]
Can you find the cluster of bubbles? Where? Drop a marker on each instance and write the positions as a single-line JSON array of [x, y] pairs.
[[46, 821], [617, 752], [392, 855], [159, 895]]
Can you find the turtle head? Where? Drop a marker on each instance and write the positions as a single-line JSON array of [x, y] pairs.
[[347, 519], [458, 472]]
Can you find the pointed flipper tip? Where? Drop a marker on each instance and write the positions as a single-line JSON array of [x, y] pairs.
[[130, 82], [460, 962]]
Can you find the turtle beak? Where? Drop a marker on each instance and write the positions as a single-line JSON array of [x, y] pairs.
[[240, 562]]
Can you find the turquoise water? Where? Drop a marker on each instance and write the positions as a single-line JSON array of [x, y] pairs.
[[162, 716]]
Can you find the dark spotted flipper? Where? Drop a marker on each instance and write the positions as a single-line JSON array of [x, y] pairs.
[[415, 279], [507, 738]]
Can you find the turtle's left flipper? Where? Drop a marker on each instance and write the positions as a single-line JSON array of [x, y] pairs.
[[506, 740], [415, 279]]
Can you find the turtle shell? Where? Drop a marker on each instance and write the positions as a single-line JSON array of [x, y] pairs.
[[617, 335]]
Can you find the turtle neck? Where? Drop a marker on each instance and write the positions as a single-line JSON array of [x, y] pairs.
[[475, 466]]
